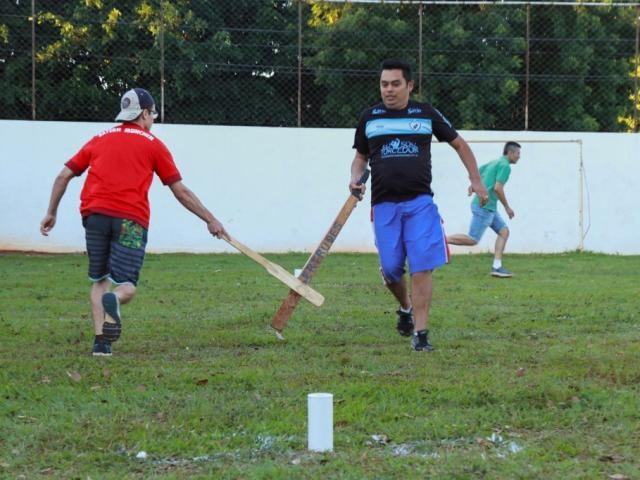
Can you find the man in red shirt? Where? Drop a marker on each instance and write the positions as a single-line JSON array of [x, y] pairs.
[[114, 206]]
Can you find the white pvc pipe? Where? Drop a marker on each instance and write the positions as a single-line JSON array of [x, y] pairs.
[[320, 422]]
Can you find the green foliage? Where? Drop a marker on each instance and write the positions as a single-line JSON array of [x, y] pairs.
[[15, 67], [595, 75], [97, 50], [533, 377], [356, 42], [477, 51], [237, 62]]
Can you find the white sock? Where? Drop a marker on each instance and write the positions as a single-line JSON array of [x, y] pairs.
[[497, 262], [405, 310]]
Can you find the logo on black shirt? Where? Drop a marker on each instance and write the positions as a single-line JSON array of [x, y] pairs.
[[415, 126], [398, 148]]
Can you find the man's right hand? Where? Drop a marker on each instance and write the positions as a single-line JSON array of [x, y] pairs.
[[47, 224], [354, 186], [478, 187], [216, 229]]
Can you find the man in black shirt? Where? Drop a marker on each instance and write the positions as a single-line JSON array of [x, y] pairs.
[[394, 137]]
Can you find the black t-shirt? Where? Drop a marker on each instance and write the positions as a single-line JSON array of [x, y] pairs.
[[398, 145]]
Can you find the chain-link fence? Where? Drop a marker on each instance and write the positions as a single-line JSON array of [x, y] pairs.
[[507, 66]]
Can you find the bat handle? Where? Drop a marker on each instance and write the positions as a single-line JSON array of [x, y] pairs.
[[363, 179]]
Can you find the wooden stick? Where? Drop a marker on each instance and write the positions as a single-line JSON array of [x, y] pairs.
[[288, 305], [280, 273]]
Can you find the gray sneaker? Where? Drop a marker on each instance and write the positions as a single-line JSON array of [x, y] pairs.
[[420, 342], [501, 272], [112, 327]]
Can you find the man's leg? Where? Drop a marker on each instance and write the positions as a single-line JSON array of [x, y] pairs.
[[480, 220], [501, 242], [427, 250], [97, 290], [461, 239], [497, 269], [401, 293], [421, 292], [126, 259], [124, 292], [387, 224], [502, 231], [98, 235]]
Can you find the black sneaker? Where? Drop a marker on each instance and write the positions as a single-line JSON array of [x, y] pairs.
[[420, 342], [405, 323], [112, 327], [101, 348]]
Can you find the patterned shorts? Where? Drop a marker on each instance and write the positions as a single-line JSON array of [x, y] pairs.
[[115, 247]]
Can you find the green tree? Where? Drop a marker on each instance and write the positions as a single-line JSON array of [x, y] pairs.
[[15, 60], [580, 68], [234, 66], [348, 44], [224, 62], [473, 63], [630, 115], [236, 62], [467, 53]]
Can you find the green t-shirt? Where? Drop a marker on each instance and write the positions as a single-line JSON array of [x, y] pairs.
[[495, 171]]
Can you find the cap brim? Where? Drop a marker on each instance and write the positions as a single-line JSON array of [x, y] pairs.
[[128, 115]]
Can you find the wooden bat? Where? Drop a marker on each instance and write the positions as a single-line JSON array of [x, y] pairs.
[[285, 311], [280, 273]]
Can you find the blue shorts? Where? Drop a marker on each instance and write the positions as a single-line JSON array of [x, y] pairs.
[[409, 230], [481, 219], [115, 248]]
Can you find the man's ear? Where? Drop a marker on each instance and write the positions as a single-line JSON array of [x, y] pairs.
[[410, 85]]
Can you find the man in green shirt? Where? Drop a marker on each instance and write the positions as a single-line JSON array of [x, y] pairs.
[[494, 176]]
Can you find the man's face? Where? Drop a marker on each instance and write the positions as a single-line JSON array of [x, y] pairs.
[[394, 89], [147, 118], [513, 155]]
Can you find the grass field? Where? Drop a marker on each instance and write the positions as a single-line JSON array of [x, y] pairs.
[[536, 377]]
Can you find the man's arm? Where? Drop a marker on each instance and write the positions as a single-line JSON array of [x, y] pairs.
[[357, 169], [499, 188], [57, 192], [469, 161], [191, 202]]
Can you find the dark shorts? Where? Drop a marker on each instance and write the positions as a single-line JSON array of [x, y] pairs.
[[115, 247]]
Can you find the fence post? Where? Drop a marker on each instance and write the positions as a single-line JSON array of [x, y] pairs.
[[299, 63], [162, 79], [33, 59], [527, 57], [636, 103], [581, 179], [420, 12]]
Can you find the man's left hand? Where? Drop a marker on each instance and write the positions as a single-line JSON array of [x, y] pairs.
[[510, 212]]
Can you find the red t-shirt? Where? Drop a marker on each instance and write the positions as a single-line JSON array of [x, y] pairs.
[[121, 163]]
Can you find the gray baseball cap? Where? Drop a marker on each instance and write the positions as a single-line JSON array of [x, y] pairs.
[[133, 103]]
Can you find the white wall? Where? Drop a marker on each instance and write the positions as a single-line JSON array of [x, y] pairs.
[[278, 189]]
